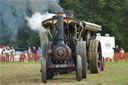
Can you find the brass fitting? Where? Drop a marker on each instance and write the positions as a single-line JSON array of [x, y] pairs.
[[60, 14]]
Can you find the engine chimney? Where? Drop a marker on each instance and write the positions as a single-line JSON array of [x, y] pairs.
[[60, 30]]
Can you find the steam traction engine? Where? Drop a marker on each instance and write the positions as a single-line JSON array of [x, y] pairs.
[[70, 46]]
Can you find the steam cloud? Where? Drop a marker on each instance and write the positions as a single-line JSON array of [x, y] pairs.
[[15, 13], [35, 22]]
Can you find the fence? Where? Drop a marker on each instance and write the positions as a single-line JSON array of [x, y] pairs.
[[20, 58], [116, 58], [25, 58]]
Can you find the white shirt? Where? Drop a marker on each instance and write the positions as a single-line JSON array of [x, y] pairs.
[[12, 51]]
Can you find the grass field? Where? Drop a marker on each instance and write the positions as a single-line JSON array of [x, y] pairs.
[[29, 74]]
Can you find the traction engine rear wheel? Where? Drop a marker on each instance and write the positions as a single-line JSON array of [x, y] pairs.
[[96, 56]]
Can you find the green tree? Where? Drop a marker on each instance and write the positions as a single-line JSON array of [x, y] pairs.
[[34, 39], [112, 15]]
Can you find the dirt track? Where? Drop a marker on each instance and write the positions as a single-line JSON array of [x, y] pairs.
[[28, 74]]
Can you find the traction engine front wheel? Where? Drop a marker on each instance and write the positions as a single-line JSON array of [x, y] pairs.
[[79, 68], [43, 70]]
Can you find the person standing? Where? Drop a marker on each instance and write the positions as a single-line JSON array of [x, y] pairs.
[[116, 49], [29, 54], [116, 53], [34, 54], [12, 51], [121, 56], [39, 53], [7, 53], [3, 55]]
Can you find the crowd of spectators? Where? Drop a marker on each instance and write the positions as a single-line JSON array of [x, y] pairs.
[[8, 55], [34, 54]]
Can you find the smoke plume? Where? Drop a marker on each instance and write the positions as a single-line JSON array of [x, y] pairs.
[[13, 15]]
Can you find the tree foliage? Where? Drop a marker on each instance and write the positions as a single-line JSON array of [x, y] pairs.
[[112, 15]]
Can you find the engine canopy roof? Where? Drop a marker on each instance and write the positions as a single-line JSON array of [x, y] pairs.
[[72, 21]]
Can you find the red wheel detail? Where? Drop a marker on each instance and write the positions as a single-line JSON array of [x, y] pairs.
[[103, 64], [65, 53]]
